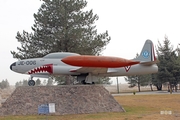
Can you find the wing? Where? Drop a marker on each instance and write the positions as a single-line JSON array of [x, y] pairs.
[[93, 70], [40, 75]]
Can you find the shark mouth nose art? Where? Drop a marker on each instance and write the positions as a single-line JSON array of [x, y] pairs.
[[42, 69]]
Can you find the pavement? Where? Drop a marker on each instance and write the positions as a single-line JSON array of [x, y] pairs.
[[147, 93]]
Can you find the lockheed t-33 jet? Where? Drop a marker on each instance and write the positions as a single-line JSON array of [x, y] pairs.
[[87, 68]]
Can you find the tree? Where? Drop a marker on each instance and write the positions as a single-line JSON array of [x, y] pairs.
[[175, 71], [38, 82], [169, 65], [4, 84], [44, 82], [138, 80], [62, 26], [103, 80], [157, 82], [17, 84], [49, 82], [62, 80], [25, 83], [20, 83]]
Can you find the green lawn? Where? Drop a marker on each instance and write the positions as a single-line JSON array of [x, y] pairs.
[[138, 107]]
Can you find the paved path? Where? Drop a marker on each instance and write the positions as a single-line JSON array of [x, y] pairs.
[[147, 93]]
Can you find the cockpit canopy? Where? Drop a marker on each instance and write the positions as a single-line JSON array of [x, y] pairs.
[[59, 55]]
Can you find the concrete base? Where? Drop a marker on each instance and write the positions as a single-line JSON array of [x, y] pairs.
[[68, 100]]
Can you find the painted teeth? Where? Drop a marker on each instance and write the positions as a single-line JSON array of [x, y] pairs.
[[41, 69]]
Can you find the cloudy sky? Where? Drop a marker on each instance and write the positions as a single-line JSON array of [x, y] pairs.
[[129, 23]]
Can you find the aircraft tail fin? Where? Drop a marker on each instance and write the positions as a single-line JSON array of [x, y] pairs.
[[147, 55]]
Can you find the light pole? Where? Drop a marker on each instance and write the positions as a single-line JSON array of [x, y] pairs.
[[117, 85], [178, 51]]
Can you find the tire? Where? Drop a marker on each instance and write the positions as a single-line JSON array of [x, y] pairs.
[[31, 82], [83, 82]]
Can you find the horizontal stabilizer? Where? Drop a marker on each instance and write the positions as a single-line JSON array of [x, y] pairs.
[[149, 63]]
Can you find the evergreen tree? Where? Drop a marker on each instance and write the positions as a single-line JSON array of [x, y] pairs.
[[4, 84], [168, 66], [138, 80], [62, 80], [44, 82], [157, 82], [175, 69], [17, 84], [7, 83], [20, 83], [62, 26], [103, 80], [49, 82], [25, 83], [38, 82]]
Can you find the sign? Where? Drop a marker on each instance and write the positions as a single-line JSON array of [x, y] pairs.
[[46, 108], [51, 107], [43, 109]]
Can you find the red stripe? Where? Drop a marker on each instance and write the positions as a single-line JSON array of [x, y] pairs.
[[153, 54]]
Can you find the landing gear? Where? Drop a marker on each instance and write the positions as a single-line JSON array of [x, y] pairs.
[[83, 82], [31, 82], [86, 79]]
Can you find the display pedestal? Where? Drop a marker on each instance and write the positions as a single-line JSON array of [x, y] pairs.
[[73, 99]]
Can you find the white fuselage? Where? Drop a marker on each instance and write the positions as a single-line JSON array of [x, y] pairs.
[[44, 67]]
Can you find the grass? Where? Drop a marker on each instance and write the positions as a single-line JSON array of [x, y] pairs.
[[138, 107]]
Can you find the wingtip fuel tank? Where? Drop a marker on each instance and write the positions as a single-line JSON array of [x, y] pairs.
[[98, 61]]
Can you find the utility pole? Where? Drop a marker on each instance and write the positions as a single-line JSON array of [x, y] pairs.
[[117, 85]]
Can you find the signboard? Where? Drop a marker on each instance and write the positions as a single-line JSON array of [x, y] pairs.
[[46, 108], [43, 109], [51, 107]]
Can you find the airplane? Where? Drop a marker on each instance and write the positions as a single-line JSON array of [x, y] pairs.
[[87, 68]]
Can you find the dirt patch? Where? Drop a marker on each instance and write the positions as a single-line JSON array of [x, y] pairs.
[[6, 93]]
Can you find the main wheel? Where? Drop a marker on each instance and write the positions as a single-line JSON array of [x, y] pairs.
[[31, 82], [83, 82]]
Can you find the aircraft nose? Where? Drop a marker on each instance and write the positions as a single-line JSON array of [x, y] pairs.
[[14, 64]]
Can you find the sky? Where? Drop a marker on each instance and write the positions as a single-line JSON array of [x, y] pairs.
[[128, 22]]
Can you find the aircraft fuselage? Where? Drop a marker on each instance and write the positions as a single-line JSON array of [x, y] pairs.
[[85, 67], [40, 66]]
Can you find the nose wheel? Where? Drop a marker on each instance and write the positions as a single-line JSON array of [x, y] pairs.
[[31, 82]]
